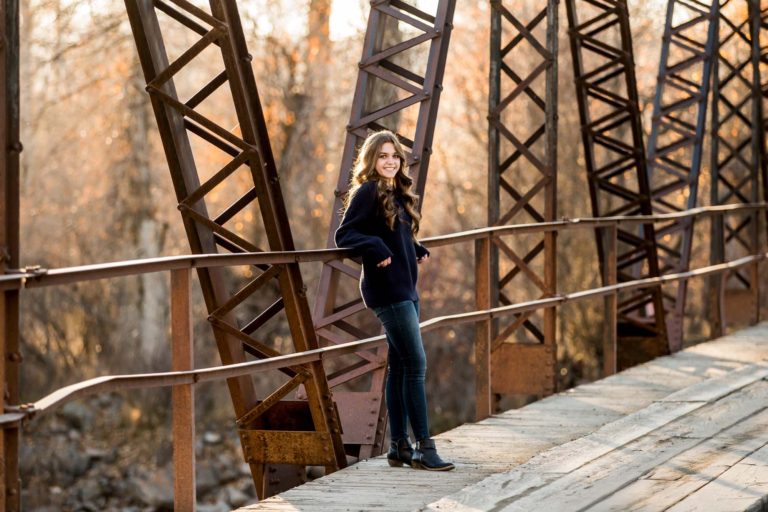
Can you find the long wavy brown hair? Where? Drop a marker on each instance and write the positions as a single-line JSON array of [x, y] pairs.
[[364, 169]]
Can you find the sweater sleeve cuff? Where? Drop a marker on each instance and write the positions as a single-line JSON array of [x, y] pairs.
[[421, 251], [377, 253]]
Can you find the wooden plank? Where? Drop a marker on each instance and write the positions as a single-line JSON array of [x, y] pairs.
[[742, 487], [714, 389], [549, 465], [675, 479], [553, 481], [747, 345]]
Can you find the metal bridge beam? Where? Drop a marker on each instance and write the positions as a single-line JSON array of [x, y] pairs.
[[522, 180], [396, 93], [677, 134], [272, 431], [760, 15], [10, 485], [735, 159], [612, 135]]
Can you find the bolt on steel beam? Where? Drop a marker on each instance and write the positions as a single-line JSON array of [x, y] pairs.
[[10, 485], [272, 430], [398, 88], [735, 157], [614, 154], [522, 180], [676, 140]]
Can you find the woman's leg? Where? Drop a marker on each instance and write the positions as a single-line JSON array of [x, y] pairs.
[[398, 416], [401, 323]]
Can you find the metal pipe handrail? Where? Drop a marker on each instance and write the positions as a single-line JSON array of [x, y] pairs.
[[37, 277], [167, 379]]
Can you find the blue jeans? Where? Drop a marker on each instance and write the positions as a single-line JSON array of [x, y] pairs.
[[407, 367]]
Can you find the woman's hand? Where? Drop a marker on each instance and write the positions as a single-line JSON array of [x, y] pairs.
[[423, 259], [385, 262]]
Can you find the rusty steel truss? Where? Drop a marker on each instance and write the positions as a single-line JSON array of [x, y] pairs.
[[760, 13], [398, 86], [736, 156], [522, 184], [614, 154], [272, 430], [10, 485], [676, 142]]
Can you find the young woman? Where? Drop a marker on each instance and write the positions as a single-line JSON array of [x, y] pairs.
[[380, 222]]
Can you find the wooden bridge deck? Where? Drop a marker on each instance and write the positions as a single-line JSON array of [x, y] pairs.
[[683, 432]]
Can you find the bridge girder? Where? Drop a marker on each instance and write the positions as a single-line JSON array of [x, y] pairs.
[[612, 136], [272, 431]]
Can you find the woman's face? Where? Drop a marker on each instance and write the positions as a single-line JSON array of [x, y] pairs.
[[387, 162]]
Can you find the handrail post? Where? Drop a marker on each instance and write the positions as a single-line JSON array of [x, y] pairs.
[[716, 293], [611, 301], [483, 407], [722, 318], [183, 396]]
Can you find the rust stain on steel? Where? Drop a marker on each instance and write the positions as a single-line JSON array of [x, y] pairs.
[[275, 447], [183, 397], [483, 331], [533, 370]]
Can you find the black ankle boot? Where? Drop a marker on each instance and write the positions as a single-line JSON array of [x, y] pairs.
[[426, 457], [400, 452]]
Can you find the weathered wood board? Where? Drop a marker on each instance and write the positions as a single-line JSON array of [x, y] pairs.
[[683, 432]]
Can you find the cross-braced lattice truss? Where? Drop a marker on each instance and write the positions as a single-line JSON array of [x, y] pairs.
[[272, 430], [761, 8], [398, 87], [675, 144], [606, 88], [521, 188], [736, 140]]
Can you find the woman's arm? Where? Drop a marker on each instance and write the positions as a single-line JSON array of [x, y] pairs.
[[358, 219]]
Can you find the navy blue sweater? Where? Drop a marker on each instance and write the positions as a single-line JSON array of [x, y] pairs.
[[364, 229]]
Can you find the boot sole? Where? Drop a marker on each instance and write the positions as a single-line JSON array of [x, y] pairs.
[[419, 465], [397, 463]]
